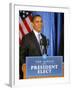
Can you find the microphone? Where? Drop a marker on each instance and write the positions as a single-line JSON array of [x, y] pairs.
[[44, 45]]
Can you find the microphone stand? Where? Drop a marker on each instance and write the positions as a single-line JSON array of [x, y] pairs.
[[44, 47]]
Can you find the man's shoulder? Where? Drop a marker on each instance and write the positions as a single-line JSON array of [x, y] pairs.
[[28, 36]]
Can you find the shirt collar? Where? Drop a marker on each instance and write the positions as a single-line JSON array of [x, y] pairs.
[[35, 32]]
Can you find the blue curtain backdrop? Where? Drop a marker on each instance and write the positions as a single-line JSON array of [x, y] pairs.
[[53, 29]]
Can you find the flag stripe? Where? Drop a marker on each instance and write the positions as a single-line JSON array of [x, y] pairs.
[[29, 23], [20, 35], [21, 30], [27, 26], [20, 41], [30, 17], [23, 26]]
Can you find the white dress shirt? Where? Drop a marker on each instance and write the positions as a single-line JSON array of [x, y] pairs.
[[38, 35]]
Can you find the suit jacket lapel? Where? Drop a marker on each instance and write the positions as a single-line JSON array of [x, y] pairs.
[[35, 41]]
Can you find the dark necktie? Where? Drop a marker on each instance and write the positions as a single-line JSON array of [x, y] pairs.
[[40, 43]]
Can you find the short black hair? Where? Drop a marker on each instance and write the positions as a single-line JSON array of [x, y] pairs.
[[35, 17]]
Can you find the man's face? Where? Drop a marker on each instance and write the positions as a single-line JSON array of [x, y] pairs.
[[37, 23]]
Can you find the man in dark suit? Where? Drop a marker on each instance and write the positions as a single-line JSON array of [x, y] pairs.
[[33, 41]]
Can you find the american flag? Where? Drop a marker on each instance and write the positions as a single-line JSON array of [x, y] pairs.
[[24, 23]]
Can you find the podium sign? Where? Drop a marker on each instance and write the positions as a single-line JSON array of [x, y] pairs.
[[40, 66]]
